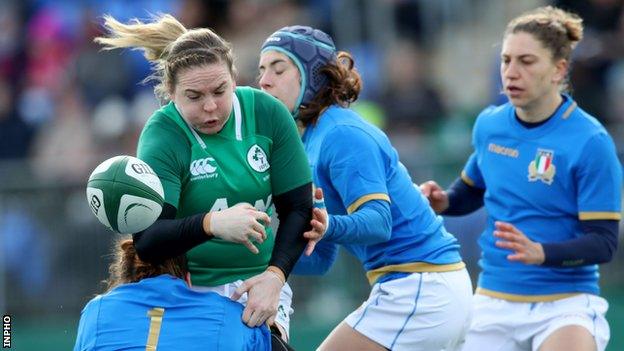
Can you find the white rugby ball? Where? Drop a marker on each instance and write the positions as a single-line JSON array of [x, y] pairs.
[[125, 194]]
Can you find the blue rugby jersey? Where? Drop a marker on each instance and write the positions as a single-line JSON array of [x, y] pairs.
[[164, 312], [543, 180], [354, 162]]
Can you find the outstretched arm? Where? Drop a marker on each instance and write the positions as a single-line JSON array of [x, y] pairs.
[[371, 223]]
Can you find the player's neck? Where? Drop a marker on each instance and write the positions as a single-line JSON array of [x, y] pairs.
[[301, 128], [540, 110]]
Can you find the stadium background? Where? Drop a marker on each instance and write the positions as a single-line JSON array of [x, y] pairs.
[[428, 67]]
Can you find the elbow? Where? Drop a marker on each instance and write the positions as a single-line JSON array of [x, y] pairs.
[[318, 270], [323, 268], [379, 235], [308, 270], [611, 247], [384, 233], [383, 230], [608, 257], [385, 227]]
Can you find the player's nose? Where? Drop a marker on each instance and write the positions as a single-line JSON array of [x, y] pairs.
[[265, 81]]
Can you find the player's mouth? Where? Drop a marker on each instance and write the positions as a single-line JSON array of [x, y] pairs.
[[513, 91], [210, 124]]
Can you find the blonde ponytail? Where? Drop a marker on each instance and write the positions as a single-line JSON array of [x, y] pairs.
[[169, 46], [153, 38]]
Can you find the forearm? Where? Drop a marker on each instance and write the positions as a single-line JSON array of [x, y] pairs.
[[463, 198], [322, 258], [370, 224], [595, 247], [169, 237], [294, 209]]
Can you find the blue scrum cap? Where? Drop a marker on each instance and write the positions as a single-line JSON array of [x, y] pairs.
[[310, 49]]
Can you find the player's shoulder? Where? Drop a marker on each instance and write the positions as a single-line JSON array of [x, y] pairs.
[[163, 120], [161, 129], [490, 119], [493, 113], [585, 122], [94, 304], [269, 113], [344, 120], [587, 132], [345, 129]]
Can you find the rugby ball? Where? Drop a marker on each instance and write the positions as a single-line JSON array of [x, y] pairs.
[[125, 194]]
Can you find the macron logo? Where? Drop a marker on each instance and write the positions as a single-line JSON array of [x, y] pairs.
[[274, 39]]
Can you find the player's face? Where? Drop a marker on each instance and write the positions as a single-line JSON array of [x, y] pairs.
[[280, 77], [528, 73], [203, 95]]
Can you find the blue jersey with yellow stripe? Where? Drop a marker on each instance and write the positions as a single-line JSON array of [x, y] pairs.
[[543, 180], [354, 162], [164, 313]]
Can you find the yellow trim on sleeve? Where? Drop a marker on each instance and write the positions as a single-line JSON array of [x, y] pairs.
[[359, 202], [524, 298], [412, 267], [467, 179], [584, 216]]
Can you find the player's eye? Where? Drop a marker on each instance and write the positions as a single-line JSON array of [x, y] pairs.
[[192, 97], [219, 92]]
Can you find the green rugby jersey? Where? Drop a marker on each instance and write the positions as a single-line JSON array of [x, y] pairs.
[[256, 155]]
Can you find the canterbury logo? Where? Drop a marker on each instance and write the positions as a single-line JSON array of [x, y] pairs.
[[203, 166]]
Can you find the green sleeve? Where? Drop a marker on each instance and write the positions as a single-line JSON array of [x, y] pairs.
[[289, 163], [163, 146]]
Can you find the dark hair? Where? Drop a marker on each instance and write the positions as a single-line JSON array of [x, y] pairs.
[[342, 88], [127, 267], [169, 46]]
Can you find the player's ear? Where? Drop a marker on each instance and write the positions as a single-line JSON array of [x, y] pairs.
[[561, 70], [187, 278]]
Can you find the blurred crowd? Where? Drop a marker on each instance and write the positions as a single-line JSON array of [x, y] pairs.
[[65, 105], [428, 68]]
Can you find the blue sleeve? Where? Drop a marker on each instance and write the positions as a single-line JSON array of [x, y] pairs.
[[599, 180], [87, 327], [595, 247], [471, 174], [319, 262], [463, 198], [355, 163], [370, 224]]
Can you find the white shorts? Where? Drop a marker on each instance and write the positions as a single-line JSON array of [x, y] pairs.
[[499, 324], [284, 309], [422, 311]]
